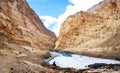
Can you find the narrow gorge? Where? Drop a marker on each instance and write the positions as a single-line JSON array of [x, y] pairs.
[[27, 46]]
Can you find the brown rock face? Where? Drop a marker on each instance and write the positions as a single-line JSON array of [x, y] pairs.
[[95, 32], [23, 38], [20, 24]]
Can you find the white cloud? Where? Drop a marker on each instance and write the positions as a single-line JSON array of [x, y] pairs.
[[48, 20], [75, 6]]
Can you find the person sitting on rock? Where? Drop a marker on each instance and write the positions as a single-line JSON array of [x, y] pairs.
[[54, 63]]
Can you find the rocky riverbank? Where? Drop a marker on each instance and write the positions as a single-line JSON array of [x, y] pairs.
[[72, 63]]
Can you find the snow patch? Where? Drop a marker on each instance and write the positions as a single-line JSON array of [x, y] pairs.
[[76, 61]]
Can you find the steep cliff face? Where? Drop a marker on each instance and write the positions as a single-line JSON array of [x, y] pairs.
[[22, 38], [95, 32], [20, 24]]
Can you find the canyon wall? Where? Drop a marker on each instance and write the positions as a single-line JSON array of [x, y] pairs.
[[19, 24], [23, 38], [95, 32]]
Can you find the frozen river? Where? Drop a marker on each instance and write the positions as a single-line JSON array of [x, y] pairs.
[[67, 60]]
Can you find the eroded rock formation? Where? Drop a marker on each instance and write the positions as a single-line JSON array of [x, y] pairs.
[[19, 23], [95, 32], [22, 38]]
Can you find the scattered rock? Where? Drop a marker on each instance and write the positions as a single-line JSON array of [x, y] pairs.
[[108, 66]]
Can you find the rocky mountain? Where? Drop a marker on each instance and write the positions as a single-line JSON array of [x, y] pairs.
[[25, 42], [23, 38], [20, 23], [95, 32]]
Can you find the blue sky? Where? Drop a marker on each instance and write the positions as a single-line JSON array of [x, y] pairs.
[[47, 7], [54, 12]]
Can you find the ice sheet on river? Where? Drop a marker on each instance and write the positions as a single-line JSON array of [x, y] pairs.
[[67, 60]]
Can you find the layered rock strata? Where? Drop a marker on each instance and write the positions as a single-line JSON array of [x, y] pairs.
[[95, 32], [23, 38]]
